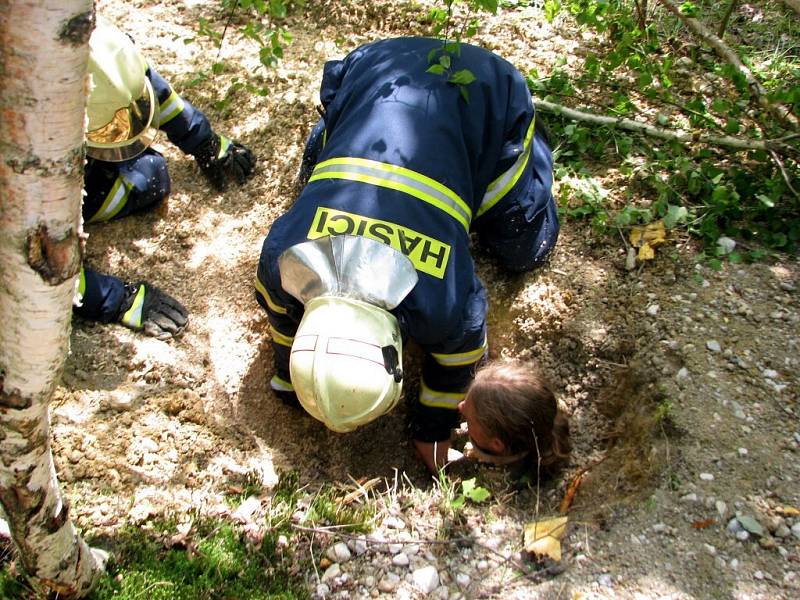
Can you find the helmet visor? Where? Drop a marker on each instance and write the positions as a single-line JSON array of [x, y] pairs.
[[129, 133]]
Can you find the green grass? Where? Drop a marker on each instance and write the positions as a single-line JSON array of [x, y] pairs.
[[215, 560]]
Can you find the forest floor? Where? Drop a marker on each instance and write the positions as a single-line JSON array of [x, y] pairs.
[[681, 382]]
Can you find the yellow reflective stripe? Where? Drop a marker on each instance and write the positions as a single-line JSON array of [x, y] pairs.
[[133, 316], [396, 178], [501, 186], [279, 338], [114, 201], [268, 299], [170, 108], [224, 143], [82, 283], [281, 385], [427, 254], [324, 137], [462, 358], [436, 399]]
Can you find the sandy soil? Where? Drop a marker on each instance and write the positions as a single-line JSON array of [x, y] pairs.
[[682, 381]]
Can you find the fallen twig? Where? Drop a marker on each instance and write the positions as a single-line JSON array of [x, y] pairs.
[[677, 135], [782, 113]]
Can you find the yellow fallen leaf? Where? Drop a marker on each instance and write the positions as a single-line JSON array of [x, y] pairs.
[[542, 538], [646, 252], [789, 511], [652, 233]]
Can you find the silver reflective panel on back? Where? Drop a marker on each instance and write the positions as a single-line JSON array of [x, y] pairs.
[[346, 265]]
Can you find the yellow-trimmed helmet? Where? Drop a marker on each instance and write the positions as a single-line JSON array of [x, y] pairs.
[[346, 362], [122, 108]]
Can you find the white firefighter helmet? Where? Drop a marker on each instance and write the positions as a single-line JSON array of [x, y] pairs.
[[346, 362], [122, 107]]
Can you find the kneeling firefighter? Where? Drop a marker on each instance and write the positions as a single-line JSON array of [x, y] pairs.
[[401, 169], [129, 102]]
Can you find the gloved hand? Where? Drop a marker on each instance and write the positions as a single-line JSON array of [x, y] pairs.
[[222, 159], [148, 308]]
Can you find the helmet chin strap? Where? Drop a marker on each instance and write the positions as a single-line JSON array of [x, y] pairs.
[[472, 452]]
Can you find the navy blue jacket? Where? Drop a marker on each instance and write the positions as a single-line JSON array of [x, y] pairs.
[[406, 160]]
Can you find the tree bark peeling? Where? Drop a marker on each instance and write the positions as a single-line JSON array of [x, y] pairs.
[[13, 400], [56, 260], [78, 29]]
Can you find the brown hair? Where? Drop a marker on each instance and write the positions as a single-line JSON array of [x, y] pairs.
[[514, 404]]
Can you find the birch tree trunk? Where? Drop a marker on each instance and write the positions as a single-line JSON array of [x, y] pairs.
[[43, 57]]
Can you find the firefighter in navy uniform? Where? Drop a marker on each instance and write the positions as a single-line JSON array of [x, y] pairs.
[[376, 248], [128, 103]]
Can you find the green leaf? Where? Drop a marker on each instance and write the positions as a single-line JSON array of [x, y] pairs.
[[551, 9], [488, 5], [689, 9], [444, 60], [675, 214], [217, 68], [474, 492], [436, 69], [464, 93], [462, 77], [457, 502]]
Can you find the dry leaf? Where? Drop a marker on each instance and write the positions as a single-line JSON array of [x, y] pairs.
[[645, 238], [542, 538], [652, 234], [646, 252], [789, 511], [704, 523], [569, 496]]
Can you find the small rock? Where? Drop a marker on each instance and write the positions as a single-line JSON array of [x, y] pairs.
[[683, 373], [713, 346], [339, 553], [689, 498], [742, 451], [653, 309], [426, 579], [389, 583], [710, 549], [482, 565], [742, 536], [734, 526], [331, 572], [400, 559], [722, 508], [751, 525], [706, 476], [782, 531], [734, 564], [605, 580], [725, 245], [392, 522], [796, 530], [758, 575], [323, 590], [360, 546], [462, 579]]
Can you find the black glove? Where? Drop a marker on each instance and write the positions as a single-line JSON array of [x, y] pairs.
[[221, 159], [147, 308]]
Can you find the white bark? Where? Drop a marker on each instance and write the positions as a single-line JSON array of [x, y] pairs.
[[43, 57]]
